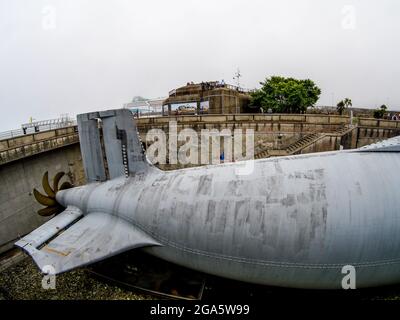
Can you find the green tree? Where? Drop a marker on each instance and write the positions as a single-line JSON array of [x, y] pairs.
[[343, 105], [340, 107], [285, 95], [379, 113]]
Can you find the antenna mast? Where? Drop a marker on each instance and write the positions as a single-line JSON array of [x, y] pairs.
[[237, 77]]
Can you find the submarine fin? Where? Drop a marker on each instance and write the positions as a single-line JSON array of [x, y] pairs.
[[389, 145], [71, 240], [110, 145]]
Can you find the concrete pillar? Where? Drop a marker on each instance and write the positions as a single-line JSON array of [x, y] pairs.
[[351, 118]]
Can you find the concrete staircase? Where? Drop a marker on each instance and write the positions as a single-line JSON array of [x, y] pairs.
[[291, 149], [344, 130], [262, 155], [303, 142]]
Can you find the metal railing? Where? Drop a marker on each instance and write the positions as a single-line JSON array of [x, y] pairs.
[[211, 85], [38, 126]]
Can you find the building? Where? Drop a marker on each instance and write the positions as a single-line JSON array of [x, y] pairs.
[[207, 97]]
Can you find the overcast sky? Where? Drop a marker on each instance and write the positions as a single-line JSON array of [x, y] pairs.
[[73, 56]]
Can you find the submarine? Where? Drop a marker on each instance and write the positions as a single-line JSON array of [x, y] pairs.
[[293, 221]]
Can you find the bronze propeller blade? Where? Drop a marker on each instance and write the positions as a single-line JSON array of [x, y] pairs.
[[46, 186], [49, 200], [46, 201], [56, 180]]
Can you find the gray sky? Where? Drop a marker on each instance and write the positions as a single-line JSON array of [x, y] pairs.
[[73, 56]]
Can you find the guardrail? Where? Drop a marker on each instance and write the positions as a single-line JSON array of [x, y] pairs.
[[39, 128], [211, 85], [11, 150]]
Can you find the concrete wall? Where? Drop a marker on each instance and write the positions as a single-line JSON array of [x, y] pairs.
[[274, 132], [17, 179], [373, 130], [260, 122], [381, 123], [368, 135], [16, 148]]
